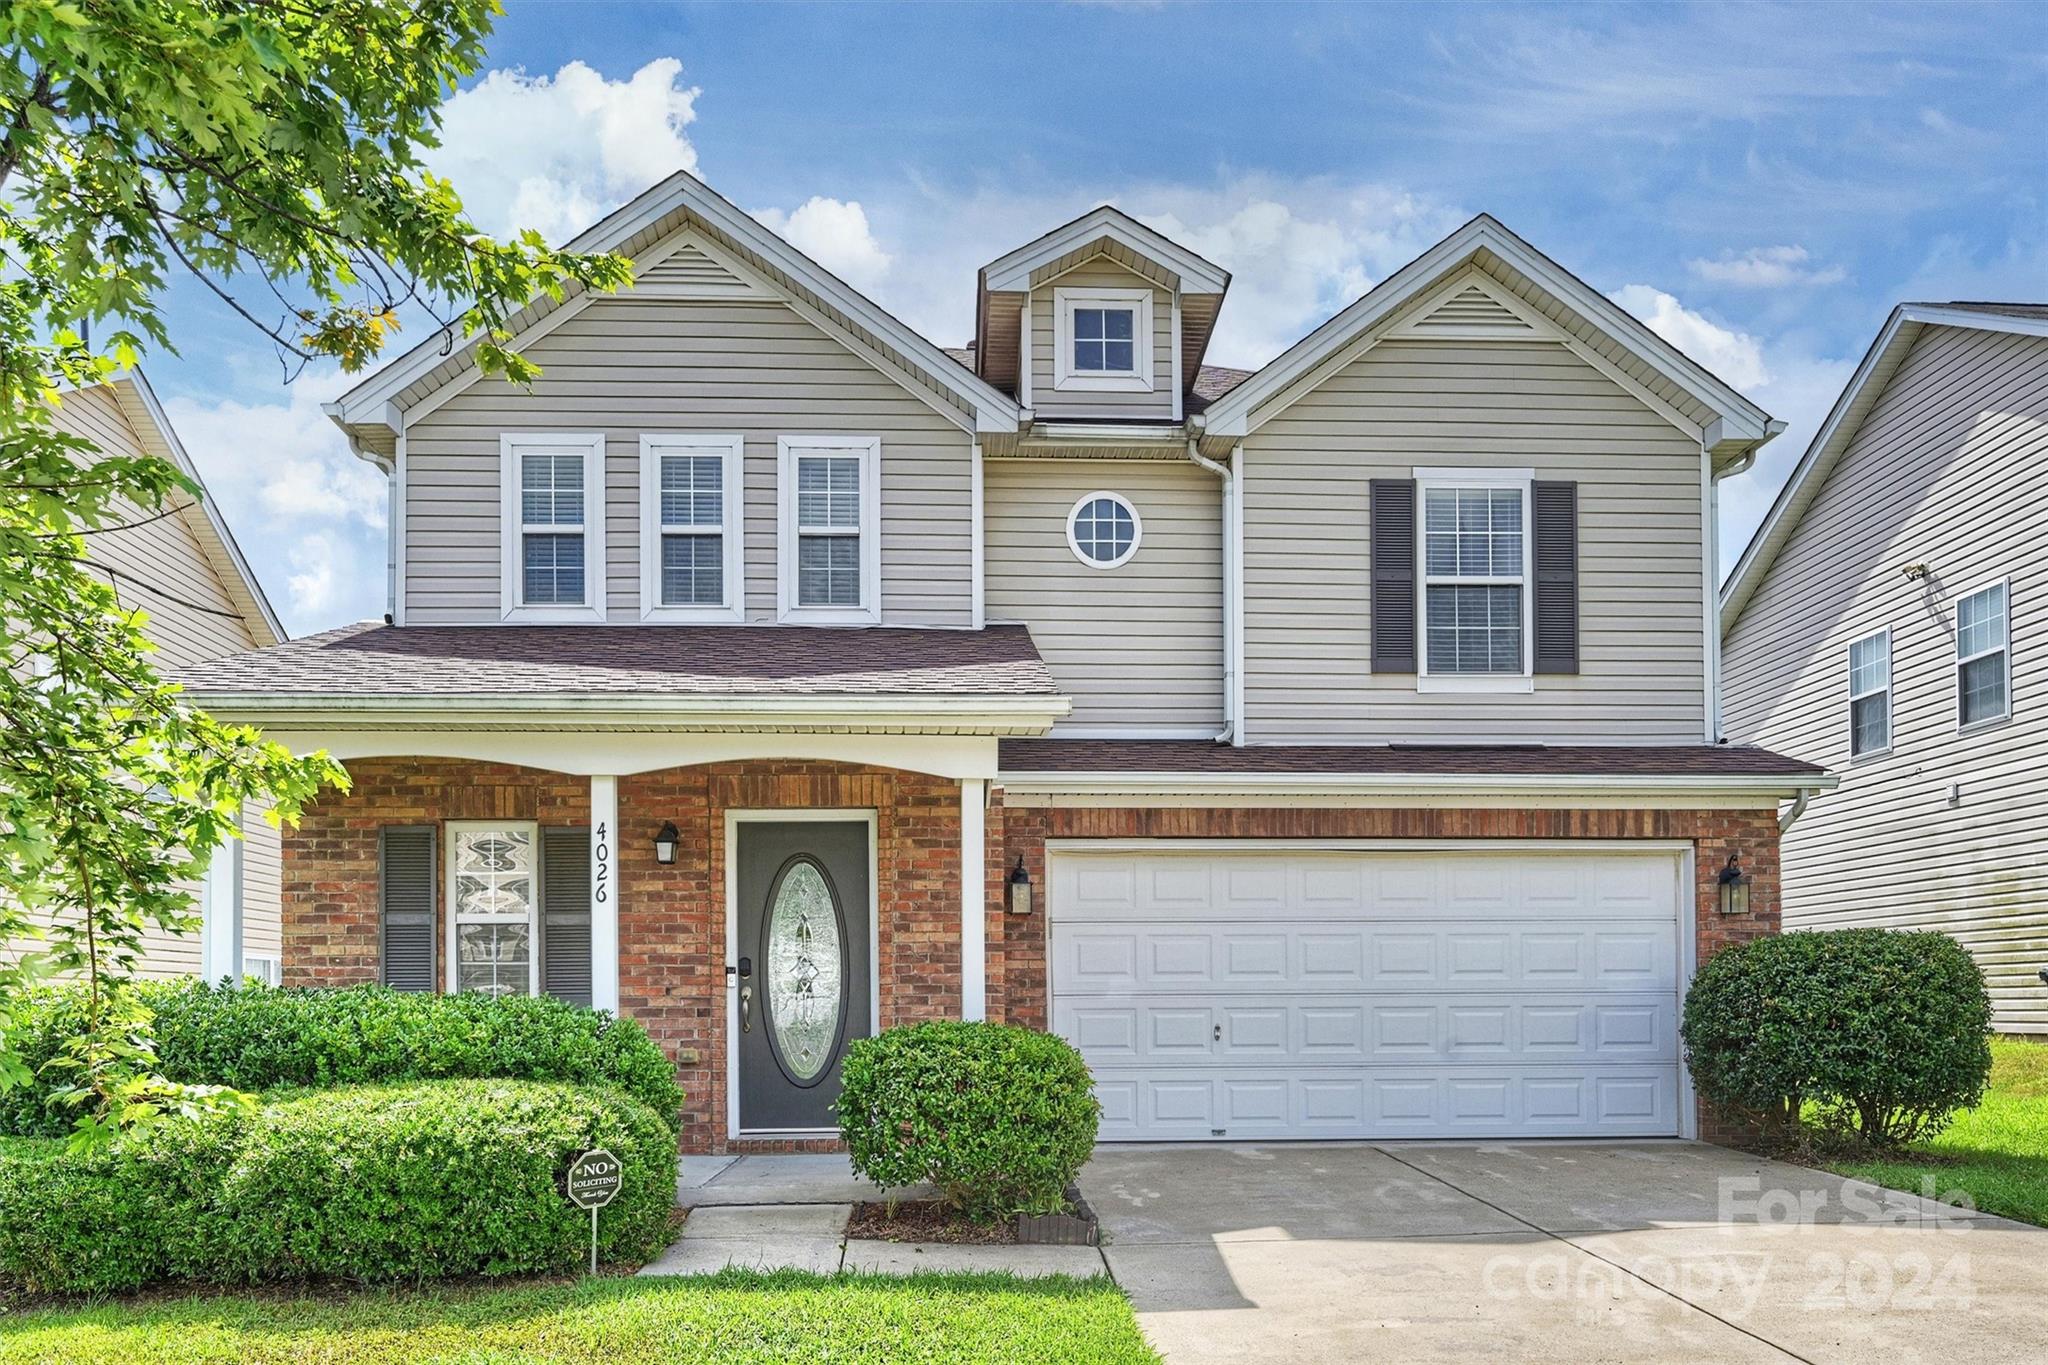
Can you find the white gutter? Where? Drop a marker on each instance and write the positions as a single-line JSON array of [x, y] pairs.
[[1228, 734], [1406, 784]]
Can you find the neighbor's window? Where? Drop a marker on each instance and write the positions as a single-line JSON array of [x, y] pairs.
[[1983, 662], [553, 526], [1473, 579], [1870, 694], [830, 550], [690, 527], [492, 874], [1103, 530]]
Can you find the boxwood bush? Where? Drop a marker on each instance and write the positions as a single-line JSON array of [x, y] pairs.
[[1875, 1034], [258, 1039], [998, 1119], [403, 1182]]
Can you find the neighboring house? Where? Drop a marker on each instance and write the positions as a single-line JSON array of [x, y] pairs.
[[1890, 620], [203, 603], [1326, 750]]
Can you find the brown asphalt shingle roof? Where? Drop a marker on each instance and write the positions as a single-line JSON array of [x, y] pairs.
[[368, 659], [1211, 381], [1197, 757]]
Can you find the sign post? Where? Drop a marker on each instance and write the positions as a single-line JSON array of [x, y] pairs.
[[594, 1180]]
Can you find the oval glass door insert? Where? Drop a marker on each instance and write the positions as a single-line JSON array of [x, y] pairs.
[[806, 969]]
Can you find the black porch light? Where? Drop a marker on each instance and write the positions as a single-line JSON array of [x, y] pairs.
[[1018, 889], [665, 843], [1734, 887]]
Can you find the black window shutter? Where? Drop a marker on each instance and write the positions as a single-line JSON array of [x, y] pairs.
[[1393, 576], [1557, 576], [565, 914], [409, 880]]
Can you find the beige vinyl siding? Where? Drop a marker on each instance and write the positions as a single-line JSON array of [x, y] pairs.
[[624, 367], [1048, 401], [262, 885], [1494, 405], [1139, 647], [1948, 469]]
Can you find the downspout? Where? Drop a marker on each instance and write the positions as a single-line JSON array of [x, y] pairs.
[[1798, 809], [1228, 733]]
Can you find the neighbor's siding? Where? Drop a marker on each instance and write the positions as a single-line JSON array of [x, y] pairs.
[[1048, 401], [1407, 405], [1139, 647], [1949, 469], [625, 367]]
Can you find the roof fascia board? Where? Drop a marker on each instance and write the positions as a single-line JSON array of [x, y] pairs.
[[1308, 361], [994, 410], [133, 384], [989, 714], [1011, 273], [1934, 314], [1404, 784]]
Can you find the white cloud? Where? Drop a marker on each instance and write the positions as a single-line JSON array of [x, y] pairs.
[[1767, 267], [312, 577], [835, 234], [557, 153], [1735, 357]]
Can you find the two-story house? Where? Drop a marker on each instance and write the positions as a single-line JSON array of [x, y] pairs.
[[181, 567], [1890, 619], [1327, 750]]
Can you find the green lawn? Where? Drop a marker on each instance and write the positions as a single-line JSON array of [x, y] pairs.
[[737, 1316], [1997, 1153]]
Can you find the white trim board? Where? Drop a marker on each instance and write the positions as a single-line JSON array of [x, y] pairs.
[[1011, 272]]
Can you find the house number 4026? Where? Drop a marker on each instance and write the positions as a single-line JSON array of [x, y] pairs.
[[601, 865]]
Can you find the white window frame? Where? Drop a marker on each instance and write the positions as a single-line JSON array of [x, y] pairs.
[[267, 968], [731, 451], [787, 450], [512, 529], [450, 977], [1523, 481], [2004, 649], [1065, 376], [1849, 661], [1137, 529]]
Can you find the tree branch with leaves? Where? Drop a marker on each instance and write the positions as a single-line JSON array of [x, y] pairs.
[[271, 150]]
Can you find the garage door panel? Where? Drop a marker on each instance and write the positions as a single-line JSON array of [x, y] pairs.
[[1533, 1102], [1560, 955]]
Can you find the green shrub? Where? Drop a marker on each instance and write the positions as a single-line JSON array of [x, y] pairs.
[[999, 1119], [1873, 1033], [255, 1038], [407, 1182]]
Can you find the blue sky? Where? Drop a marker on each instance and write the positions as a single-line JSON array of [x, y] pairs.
[[1761, 184]]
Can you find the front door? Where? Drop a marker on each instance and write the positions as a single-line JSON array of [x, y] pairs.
[[803, 966]]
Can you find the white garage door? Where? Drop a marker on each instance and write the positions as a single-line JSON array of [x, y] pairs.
[[1371, 994]]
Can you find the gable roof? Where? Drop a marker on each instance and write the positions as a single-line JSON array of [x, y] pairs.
[[373, 411], [1527, 285], [146, 418], [1894, 341]]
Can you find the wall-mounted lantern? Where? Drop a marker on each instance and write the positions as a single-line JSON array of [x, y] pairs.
[[1018, 889], [665, 843], [1734, 887]]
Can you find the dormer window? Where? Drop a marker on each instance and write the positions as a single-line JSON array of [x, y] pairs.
[[1104, 340]]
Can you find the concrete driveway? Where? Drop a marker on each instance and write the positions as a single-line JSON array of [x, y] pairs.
[[1537, 1252]]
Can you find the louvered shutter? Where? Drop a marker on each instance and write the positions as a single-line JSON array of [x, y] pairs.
[[409, 882], [1393, 576], [1557, 576], [565, 914]]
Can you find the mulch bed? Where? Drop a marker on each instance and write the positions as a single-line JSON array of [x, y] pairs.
[[924, 1220]]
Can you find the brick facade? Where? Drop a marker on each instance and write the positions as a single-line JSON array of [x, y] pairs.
[[672, 952]]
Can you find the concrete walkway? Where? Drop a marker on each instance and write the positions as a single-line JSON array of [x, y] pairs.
[[1536, 1252]]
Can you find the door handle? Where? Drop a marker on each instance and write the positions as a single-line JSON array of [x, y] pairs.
[[746, 1007]]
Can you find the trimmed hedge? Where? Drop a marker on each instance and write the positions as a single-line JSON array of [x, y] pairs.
[[999, 1119], [406, 1182], [259, 1039], [1873, 1033]]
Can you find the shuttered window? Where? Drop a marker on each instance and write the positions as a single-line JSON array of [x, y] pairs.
[[408, 879], [1393, 575], [1556, 554], [565, 914]]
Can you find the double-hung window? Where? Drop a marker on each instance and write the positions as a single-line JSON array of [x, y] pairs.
[[1870, 695], [1474, 551], [1984, 656], [690, 538], [1102, 339], [553, 526], [494, 906], [829, 552]]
